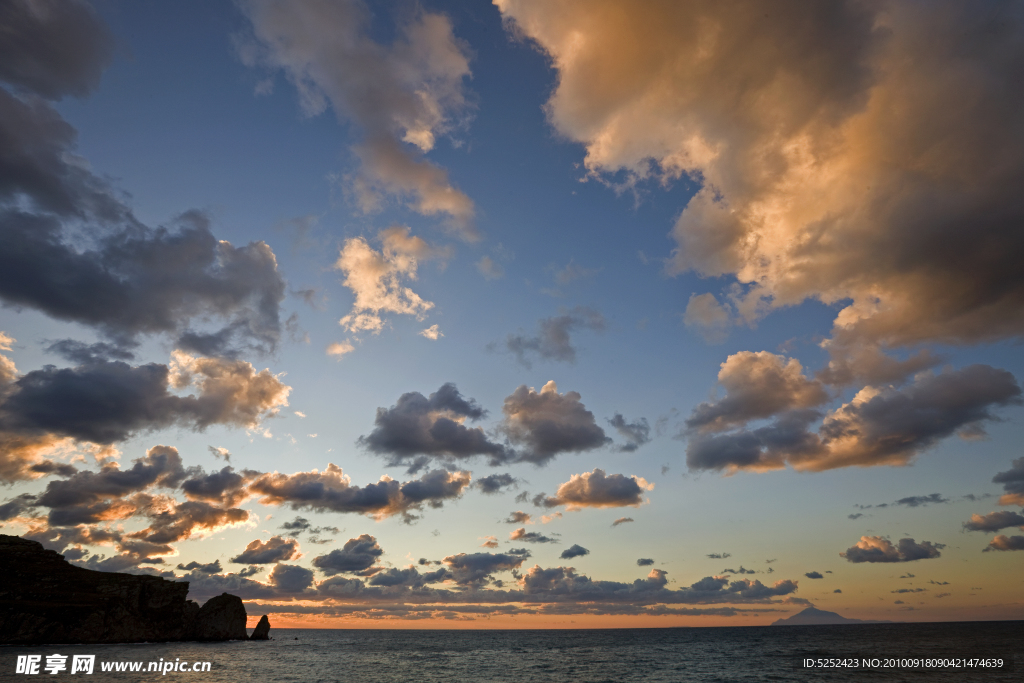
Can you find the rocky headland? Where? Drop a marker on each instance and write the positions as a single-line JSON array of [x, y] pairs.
[[44, 599]]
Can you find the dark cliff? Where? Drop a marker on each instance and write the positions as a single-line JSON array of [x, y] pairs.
[[43, 599]]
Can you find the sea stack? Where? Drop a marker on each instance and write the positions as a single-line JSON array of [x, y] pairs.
[[44, 599], [262, 630]]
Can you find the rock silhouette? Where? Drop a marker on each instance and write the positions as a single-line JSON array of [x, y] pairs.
[[44, 599], [262, 630]]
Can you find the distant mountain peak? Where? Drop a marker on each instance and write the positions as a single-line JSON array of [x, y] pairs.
[[812, 616]]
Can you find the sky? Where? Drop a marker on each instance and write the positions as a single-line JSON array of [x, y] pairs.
[[532, 314]]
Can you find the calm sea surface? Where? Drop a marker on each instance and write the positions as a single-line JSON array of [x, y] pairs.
[[648, 655]]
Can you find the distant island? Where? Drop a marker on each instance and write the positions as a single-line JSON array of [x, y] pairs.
[[812, 616], [45, 599]]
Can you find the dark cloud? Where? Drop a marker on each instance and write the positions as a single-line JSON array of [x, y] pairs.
[[855, 515], [547, 423], [636, 433], [358, 555], [622, 520], [15, 506], [296, 526], [758, 385], [274, 549], [814, 575], [171, 521], [290, 578], [477, 568], [1001, 542], [518, 517], [574, 551], [553, 340], [741, 570], [910, 590], [418, 428], [332, 490], [494, 483], [644, 562], [596, 489], [81, 353], [1013, 483], [916, 501], [209, 568], [408, 577], [879, 427], [995, 521], [521, 534], [225, 486], [718, 556], [879, 549]]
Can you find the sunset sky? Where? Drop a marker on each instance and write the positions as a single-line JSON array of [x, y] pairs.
[[539, 313]]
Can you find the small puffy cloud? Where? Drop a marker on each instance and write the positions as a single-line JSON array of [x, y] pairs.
[[917, 501], [275, 549], [518, 517], [553, 340], [741, 570], [574, 551], [433, 333], [489, 541], [376, 278], [296, 526], [718, 556], [358, 555], [332, 490], [636, 433], [209, 568], [494, 483], [546, 423], [490, 269], [758, 385], [995, 521], [219, 452], [599, 490], [290, 578], [1013, 483], [1001, 542], [622, 520], [418, 428], [339, 349], [401, 95], [710, 318], [814, 575], [879, 549], [521, 534], [644, 562]]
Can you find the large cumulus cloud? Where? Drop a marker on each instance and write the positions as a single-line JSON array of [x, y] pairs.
[[880, 549], [599, 490], [545, 423]]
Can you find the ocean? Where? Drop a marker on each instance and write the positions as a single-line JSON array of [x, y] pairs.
[[541, 656]]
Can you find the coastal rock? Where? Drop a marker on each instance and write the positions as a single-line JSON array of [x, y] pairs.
[[262, 630], [44, 599]]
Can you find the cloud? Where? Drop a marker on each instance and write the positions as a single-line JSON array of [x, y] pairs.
[[518, 517], [741, 570], [419, 428], [274, 549], [490, 269], [718, 556], [710, 318], [489, 541], [358, 555], [547, 423], [339, 349], [917, 501], [401, 96], [332, 490], [758, 385], [553, 340], [810, 187], [477, 568], [574, 551], [622, 520], [814, 575], [855, 515], [879, 549], [598, 490], [432, 333], [636, 433], [1013, 483], [995, 521], [210, 568], [290, 578], [226, 486], [377, 278], [494, 483], [521, 534], [1001, 542], [644, 562], [878, 427]]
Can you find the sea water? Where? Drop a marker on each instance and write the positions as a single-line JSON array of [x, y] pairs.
[[541, 656]]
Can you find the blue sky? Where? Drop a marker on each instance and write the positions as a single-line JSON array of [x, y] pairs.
[[625, 211]]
